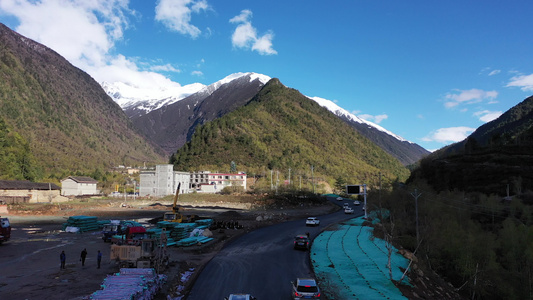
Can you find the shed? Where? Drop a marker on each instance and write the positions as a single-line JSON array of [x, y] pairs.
[[23, 191], [78, 186]]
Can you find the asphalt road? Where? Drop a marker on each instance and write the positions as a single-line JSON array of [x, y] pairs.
[[263, 262]]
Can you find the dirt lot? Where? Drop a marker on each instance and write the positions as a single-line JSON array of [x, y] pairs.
[[30, 260]]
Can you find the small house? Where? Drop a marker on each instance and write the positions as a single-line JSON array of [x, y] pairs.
[[23, 191], [78, 186]]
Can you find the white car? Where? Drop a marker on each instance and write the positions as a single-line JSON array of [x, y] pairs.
[[312, 221], [348, 210], [356, 202], [339, 199], [346, 205], [240, 297], [305, 288]]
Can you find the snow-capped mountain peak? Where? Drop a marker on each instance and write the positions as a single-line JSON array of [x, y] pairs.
[[337, 110], [127, 95], [213, 87]]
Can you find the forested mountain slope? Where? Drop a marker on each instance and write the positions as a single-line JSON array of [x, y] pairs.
[[496, 154], [281, 129], [70, 124]]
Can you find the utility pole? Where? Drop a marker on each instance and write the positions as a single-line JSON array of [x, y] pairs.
[[313, 179], [365, 207], [289, 177], [379, 188], [416, 195], [271, 186]]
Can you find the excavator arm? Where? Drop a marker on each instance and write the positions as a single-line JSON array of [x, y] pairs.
[[175, 207]]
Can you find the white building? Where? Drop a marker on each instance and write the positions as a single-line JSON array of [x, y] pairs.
[[207, 182], [222, 180], [163, 181], [78, 186]]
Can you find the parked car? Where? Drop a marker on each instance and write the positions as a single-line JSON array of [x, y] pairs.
[[348, 210], [301, 241], [356, 202], [312, 221], [340, 198], [240, 297], [305, 288]]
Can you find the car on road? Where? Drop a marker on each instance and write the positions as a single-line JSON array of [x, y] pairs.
[[240, 297], [348, 210], [301, 241], [346, 205], [312, 221], [305, 288], [340, 198], [356, 202]]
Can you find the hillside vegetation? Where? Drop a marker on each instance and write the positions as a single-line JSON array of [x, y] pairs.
[[498, 154], [281, 129], [470, 232], [67, 122]]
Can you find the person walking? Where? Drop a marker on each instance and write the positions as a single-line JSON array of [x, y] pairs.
[[99, 258], [83, 256], [62, 258]]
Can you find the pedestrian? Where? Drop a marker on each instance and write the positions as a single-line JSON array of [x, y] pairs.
[[83, 256], [62, 258], [99, 258]]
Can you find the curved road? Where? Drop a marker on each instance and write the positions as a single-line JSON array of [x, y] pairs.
[[263, 262]]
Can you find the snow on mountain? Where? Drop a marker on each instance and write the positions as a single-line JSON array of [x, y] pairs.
[[128, 96], [213, 87], [148, 99], [341, 112]]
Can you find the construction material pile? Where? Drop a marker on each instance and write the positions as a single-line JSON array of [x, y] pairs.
[[180, 234], [81, 224], [134, 284]]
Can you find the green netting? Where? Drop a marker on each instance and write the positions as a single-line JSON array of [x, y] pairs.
[[351, 264]]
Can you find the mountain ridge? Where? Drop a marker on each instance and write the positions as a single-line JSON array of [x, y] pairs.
[[279, 128], [496, 155], [70, 123], [148, 121]]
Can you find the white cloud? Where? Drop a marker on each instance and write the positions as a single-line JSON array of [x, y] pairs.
[[176, 15], [164, 68], [59, 24], [376, 119], [487, 116], [245, 35], [197, 73], [449, 135], [494, 72], [525, 82], [459, 97], [85, 32]]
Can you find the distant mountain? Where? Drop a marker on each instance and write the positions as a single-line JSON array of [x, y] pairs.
[[172, 125], [281, 129], [157, 118], [69, 122], [406, 152], [497, 154], [136, 102]]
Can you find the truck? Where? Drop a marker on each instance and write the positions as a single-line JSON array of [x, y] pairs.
[[111, 229], [5, 230], [131, 236]]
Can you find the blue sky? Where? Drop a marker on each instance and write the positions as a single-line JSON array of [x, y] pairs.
[[429, 71]]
